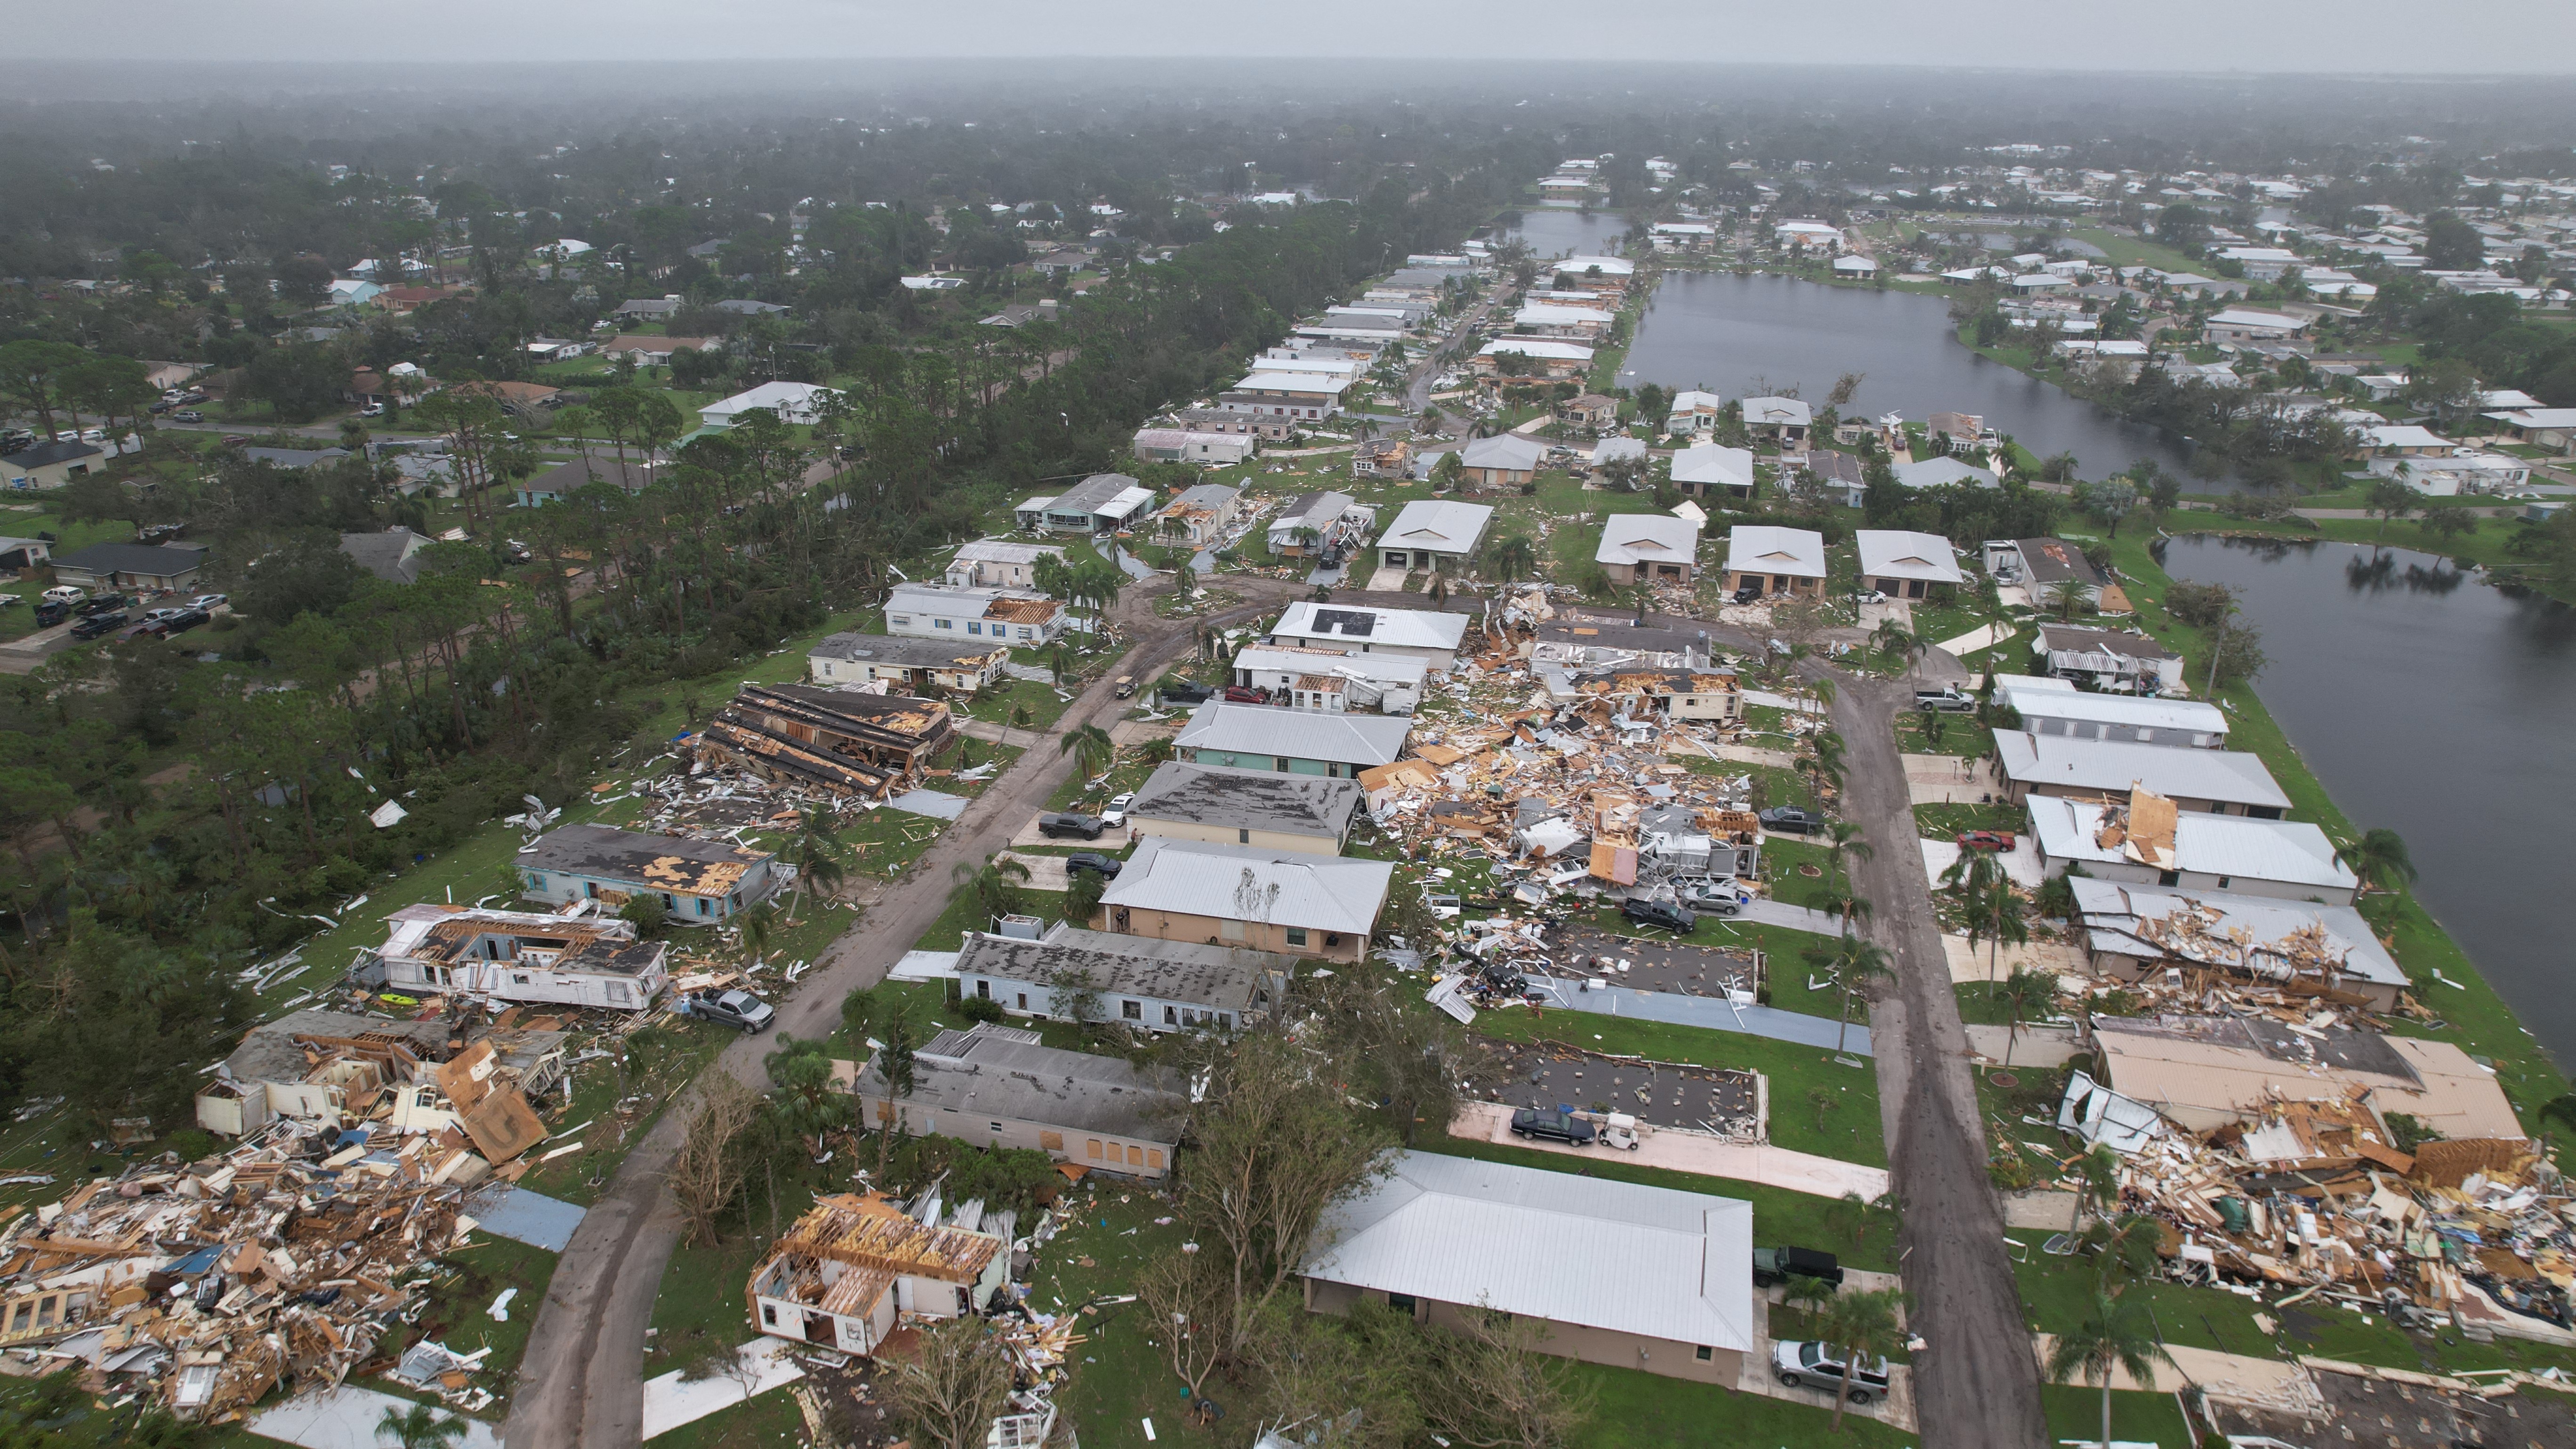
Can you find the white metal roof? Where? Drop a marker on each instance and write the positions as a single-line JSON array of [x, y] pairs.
[[1583, 1251], [1301, 382], [1400, 669], [2036, 699], [1936, 472], [1778, 412], [1713, 466], [1763, 548], [1243, 883], [1396, 628], [1632, 538], [1542, 314], [2288, 851], [1541, 347], [1297, 734], [2118, 916], [1438, 524], [1607, 266], [1894, 553], [2230, 777]]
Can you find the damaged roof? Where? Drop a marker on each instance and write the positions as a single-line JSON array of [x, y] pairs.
[[1245, 883], [994, 1072], [447, 933], [2230, 777], [905, 651], [1261, 729], [657, 862], [1227, 978], [2259, 935], [1247, 799]]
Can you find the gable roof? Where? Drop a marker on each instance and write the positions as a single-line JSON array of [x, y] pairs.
[[1631, 538], [990, 1071], [1652, 1261], [906, 651], [1364, 623], [1203, 973], [1766, 549], [1262, 729], [1247, 799], [1940, 472], [2292, 852], [1246, 883], [46, 454], [1900, 554], [1439, 525], [2115, 766], [579, 473], [2054, 560], [158, 560], [660, 862], [392, 555], [1503, 450]]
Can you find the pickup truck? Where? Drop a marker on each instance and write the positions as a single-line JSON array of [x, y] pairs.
[[1811, 1365], [1944, 701], [1058, 827], [1773, 1266], [730, 1008]]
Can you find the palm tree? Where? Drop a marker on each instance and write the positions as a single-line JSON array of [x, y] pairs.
[[1971, 872], [2062, 596], [2114, 1337], [1811, 1296], [816, 854], [1844, 838], [1822, 686], [2022, 992], [1863, 1326], [1512, 558], [994, 886], [752, 928], [419, 1426], [1091, 748], [1890, 638], [2379, 858], [2097, 1180], [2124, 1249], [1996, 913], [1856, 963]]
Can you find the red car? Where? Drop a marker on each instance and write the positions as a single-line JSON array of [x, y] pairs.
[[1985, 840], [1237, 694]]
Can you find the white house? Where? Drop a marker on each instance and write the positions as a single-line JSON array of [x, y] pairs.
[[1432, 531], [1425, 634], [1810, 236], [1101, 503], [2050, 706], [1303, 677], [1855, 267], [2148, 842], [1763, 559], [1709, 469], [794, 402], [535, 956], [1000, 563], [1903, 564], [1694, 412], [1638, 547], [951, 611]]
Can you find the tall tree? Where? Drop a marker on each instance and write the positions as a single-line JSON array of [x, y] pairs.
[[2115, 1337]]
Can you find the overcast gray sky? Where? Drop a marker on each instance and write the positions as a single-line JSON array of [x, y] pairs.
[[2506, 36]]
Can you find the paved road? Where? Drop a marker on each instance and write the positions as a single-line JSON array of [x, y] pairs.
[[1714, 1014], [1976, 1386], [581, 1384]]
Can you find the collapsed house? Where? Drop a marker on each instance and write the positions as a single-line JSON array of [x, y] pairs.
[[850, 1271], [915, 666], [2308, 949], [1305, 813], [842, 740], [1303, 677], [2206, 1072], [696, 880], [517, 956], [416, 1077], [2146, 840], [1712, 695], [1000, 1086]]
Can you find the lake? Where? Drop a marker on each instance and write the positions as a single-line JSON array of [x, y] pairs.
[[2434, 705], [1568, 232], [1749, 336]]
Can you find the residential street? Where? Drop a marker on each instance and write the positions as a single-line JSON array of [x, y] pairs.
[[1976, 1385], [581, 1383]]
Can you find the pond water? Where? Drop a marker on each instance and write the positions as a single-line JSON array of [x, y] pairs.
[[2434, 705], [1568, 232], [1750, 335]]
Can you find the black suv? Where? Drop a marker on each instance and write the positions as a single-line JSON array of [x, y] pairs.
[[1082, 827], [1790, 820], [1093, 861], [51, 612], [97, 625], [1658, 913], [1181, 691], [1774, 1266], [1555, 1126]]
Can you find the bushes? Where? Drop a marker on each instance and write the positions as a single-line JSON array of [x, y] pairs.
[[980, 1008]]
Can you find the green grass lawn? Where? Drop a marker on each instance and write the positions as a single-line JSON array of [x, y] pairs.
[[1781, 859], [1634, 1408], [1944, 822], [1850, 1129], [2075, 1413], [1958, 734], [1119, 1377]]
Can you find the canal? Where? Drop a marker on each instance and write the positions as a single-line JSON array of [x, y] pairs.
[[1747, 336], [2434, 705]]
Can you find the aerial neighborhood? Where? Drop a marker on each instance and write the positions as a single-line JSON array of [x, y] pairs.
[[1225, 783]]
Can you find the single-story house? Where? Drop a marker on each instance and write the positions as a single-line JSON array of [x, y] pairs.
[[1000, 1086], [1305, 677], [2217, 782], [696, 880], [1260, 808], [1591, 410], [917, 665], [1430, 635], [2049, 706], [655, 351], [2541, 427], [1101, 503], [847, 1273], [523, 398], [1808, 236], [24, 553], [2208, 1072], [1694, 412], [50, 465], [2146, 841], [847, 741], [1784, 420], [1855, 266], [393, 555], [1617, 1273], [1434, 531], [1383, 458], [793, 402], [2110, 659], [521, 956], [1505, 460], [567, 478], [161, 567], [1556, 319], [1616, 451], [326, 1064], [1336, 745], [1201, 514], [296, 459], [2245, 324], [1943, 473], [1708, 469], [2042, 564], [1771, 560], [649, 308], [1839, 477], [1184, 445], [1676, 693], [1905, 565], [1321, 523], [1642, 546], [947, 611], [1154, 985], [1283, 901], [1000, 563], [1303, 396], [1538, 357], [353, 292], [2133, 930]]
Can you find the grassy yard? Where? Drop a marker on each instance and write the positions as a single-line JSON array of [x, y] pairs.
[[1944, 822], [1942, 734], [1120, 1379], [1634, 1408], [1850, 1130]]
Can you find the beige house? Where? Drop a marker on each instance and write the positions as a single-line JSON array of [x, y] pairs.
[[1301, 814], [1767, 560], [999, 1086], [1289, 902], [1634, 1277]]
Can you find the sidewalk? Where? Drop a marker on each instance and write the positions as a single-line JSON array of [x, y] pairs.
[[1796, 918], [1684, 1152], [2226, 1375]]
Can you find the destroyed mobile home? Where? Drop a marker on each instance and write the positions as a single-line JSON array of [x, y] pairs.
[[285, 1262]]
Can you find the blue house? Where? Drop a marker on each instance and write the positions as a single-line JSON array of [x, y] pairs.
[[1290, 741], [695, 880]]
